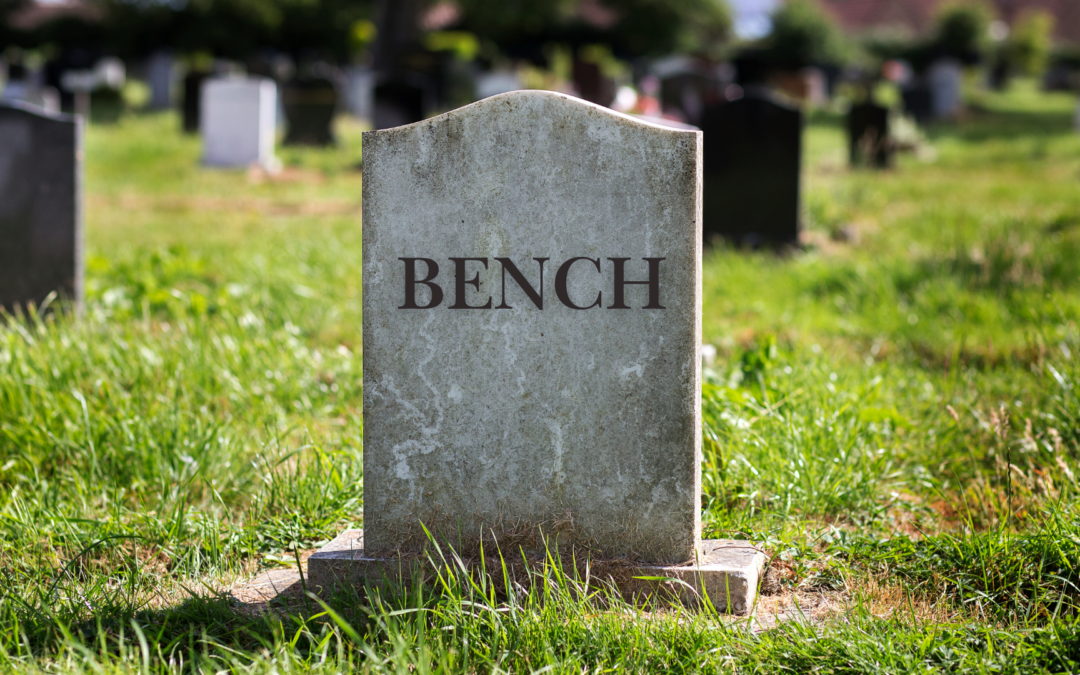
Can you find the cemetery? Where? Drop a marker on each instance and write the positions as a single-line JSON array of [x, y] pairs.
[[458, 346]]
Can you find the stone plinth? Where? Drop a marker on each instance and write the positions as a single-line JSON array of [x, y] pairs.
[[727, 572]]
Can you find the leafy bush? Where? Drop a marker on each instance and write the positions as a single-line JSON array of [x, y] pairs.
[[803, 34], [1029, 45]]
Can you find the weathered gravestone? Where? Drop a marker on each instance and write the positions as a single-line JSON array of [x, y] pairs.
[[40, 214], [310, 104], [753, 161], [869, 143], [532, 318], [238, 121]]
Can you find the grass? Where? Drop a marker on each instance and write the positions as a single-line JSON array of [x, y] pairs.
[[893, 411]]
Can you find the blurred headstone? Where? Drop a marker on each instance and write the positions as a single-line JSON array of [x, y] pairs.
[[159, 73], [869, 143], [40, 206], [945, 79], [192, 104], [752, 161], [687, 87], [918, 101], [238, 121], [496, 82], [310, 104], [401, 100], [359, 92], [21, 87], [591, 83]]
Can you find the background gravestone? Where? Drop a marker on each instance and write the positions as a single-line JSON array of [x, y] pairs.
[[401, 99], [945, 79], [159, 75], [192, 104], [571, 407], [868, 136], [238, 121], [753, 161], [310, 104], [40, 209]]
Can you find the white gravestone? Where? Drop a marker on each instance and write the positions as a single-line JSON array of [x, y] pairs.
[[499, 399], [238, 120], [946, 78]]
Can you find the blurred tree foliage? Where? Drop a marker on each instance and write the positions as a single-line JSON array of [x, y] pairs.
[[963, 30], [803, 34], [235, 28], [1032, 39], [629, 27]]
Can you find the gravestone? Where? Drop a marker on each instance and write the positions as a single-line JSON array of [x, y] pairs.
[[22, 87], [40, 206], [310, 104], [401, 99], [918, 101], [359, 92], [945, 79], [159, 75], [868, 136], [238, 121], [192, 104], [532, 320], [753, 161], [496, 82]]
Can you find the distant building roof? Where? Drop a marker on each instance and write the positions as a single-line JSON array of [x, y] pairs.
[[917, 16], [41, 12]]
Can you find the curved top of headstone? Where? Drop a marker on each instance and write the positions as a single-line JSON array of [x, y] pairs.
[[532, 102]]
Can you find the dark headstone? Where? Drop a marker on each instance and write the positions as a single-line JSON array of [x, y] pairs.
[[40, 214], [310, 103], [918, 102], [192, 106], [591, 83], [752, 162], [868, 136], [400, 100]]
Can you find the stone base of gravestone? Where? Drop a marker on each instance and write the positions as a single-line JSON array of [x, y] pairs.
[[727, 572]]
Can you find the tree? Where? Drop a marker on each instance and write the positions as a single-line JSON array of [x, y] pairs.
[[963, 30], [803, 34], [658, 27], [630, 27], [1028, 48]]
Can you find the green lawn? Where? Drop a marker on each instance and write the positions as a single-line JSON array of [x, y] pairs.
[[894, 412]]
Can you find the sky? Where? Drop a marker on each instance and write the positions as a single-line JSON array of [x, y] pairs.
[[752, 17]]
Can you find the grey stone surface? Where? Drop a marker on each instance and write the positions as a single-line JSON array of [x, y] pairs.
[[238, 121], [40, 206], [533, 415], [727, 572]]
